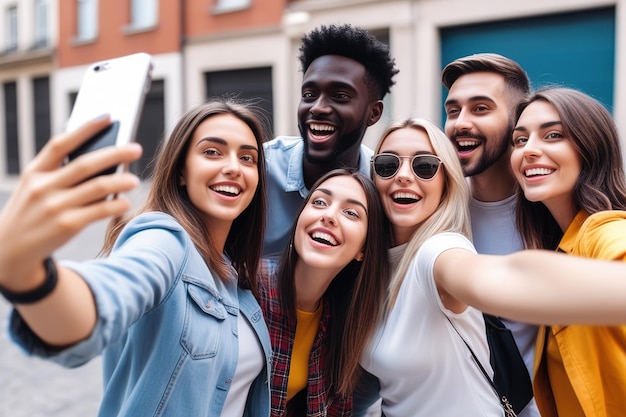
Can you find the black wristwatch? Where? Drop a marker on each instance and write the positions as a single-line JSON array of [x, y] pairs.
[[36, 294]]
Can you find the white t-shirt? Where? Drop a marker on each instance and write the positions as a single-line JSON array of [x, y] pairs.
[[249, 365], [494, 233], [423, 366], [493, 227]]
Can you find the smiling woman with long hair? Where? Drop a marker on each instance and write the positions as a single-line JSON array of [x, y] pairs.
[[320, 298], [171, 306], [567, 159]]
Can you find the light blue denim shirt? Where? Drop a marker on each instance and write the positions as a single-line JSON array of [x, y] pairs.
[[167, 328], [286, 190]]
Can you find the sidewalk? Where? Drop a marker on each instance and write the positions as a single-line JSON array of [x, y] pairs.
[[31, 387]]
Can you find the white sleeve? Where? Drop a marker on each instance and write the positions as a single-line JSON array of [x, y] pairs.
[[427, 254]]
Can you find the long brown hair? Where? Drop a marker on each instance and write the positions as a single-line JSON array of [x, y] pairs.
[[356, 295], [601, 184], [245, 239]]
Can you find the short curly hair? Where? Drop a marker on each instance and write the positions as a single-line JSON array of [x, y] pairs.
[[354, 43]]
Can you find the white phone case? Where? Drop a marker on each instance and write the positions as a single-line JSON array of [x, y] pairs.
[[116, 87]]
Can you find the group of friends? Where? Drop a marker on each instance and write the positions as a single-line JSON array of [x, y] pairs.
[[276, 276]]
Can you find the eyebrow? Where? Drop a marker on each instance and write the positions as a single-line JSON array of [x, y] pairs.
[[349, 200], [542, 126], [221, 141], [415, 154], [337, 85], [471, 100]]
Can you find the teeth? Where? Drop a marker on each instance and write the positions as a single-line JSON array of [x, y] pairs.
[[538, 171], [400, 195], [229, 189], [468, 143], [322, 127], [324, 238]]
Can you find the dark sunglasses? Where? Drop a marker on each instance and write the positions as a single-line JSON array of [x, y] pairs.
[[386, 165]]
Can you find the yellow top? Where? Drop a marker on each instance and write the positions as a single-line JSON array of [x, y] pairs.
[[580, 370], [567, 403], [306, 328]]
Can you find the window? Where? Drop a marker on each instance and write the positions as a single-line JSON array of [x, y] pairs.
[[41, 109], [87, 20], [231, 5], [151, 127], [11, 28], [143, 13], [248, 83], [10, 128], [41, 23]]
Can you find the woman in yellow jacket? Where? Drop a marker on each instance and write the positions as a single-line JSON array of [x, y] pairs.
[[567, 159]]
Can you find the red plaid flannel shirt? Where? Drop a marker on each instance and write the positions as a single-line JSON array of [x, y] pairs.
[[282, 333]]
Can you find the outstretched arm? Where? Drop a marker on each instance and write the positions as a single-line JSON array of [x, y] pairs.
[[534, 286], [50, 205]]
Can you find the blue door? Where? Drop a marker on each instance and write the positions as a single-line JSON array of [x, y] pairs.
[[571, 49]]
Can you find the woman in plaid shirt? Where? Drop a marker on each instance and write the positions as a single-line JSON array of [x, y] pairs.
[[321, 298]]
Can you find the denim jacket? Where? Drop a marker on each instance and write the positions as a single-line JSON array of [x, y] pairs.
[[167, 328]]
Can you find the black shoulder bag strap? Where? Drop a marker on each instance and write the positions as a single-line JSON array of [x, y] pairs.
[[504, 402], [510, 374]]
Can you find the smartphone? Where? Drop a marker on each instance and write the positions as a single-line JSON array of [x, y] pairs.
[[116, 87]]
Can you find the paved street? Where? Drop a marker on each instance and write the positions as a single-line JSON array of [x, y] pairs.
[[31, 387], [35, 388]]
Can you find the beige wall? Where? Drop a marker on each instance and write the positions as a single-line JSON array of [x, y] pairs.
[[414, 37]]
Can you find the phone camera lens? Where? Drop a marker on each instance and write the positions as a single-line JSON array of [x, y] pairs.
[[102, 67]]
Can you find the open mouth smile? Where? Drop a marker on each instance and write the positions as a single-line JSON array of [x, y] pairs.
[[535, 172], [321, 130], [402, 197], [467, 145], [324, 238], [227, 190]]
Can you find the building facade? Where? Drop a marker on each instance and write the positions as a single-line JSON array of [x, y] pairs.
[[27, 65], [94, 30], [205, 48]]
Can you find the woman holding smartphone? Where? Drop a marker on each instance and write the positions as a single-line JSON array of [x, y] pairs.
[[172, 306]]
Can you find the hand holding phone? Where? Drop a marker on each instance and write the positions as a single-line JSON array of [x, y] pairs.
[[116, 87]]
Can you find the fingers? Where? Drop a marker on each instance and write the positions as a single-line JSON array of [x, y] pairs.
[[88, 165], [33, 240], [52, 203], [59, 146], [94, 190], [54, 153], [70, 222]]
